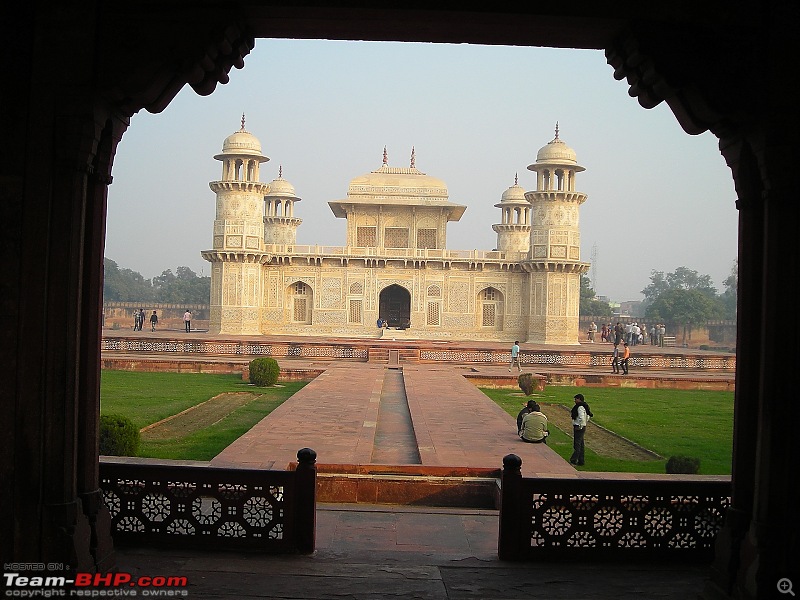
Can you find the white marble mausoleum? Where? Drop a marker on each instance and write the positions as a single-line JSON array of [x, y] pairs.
[[394, 263]]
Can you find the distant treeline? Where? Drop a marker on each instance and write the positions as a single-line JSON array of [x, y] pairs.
[[183, 286]]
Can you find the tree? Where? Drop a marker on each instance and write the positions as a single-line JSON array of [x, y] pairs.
[[124, 285], [683, 309], [681, 279], [182, 287], [729, 296], [589, 305]]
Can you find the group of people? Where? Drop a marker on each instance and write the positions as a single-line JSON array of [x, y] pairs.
[[139, 318], [532, 426], [632, 333]]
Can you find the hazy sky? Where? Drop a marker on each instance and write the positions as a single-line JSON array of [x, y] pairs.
[[658, 199]]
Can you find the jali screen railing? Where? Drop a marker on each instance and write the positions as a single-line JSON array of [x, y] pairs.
[[633, 517], [153, 502]]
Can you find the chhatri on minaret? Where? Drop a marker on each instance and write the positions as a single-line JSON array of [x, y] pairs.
[[394, 263]]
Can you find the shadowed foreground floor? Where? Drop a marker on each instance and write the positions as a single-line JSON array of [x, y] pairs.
[[377, 552]]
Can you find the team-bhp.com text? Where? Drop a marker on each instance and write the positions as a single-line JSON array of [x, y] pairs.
[[93, 585]]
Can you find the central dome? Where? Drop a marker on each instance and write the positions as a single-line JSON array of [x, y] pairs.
[[397, 181]]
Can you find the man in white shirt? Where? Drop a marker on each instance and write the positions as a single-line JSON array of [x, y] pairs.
[[580, 419]]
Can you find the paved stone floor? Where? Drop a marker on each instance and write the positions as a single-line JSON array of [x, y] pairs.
[[377, 552], [392, 551]]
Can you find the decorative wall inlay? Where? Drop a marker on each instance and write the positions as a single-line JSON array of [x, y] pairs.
[[331, 293]]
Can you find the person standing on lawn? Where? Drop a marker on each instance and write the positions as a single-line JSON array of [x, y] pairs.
[[580, 419]]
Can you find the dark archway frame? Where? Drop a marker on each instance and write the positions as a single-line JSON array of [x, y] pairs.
[[77, 76]]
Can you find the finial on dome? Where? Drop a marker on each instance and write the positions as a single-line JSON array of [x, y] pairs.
[[413, 158], [516, 178], [280, 171], [242, 122], [556, 129], [385, 156]]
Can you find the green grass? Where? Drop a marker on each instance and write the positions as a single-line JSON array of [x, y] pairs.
[[668, 422], [146, 398]]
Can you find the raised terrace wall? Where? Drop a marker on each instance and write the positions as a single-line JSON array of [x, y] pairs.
[[219, 349]]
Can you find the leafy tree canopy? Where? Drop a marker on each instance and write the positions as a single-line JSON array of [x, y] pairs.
[[590, 305], [681, 279], [124, 285], [181, 287]]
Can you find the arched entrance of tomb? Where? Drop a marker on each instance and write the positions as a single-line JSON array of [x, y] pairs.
[[702, 64], [300, 303], [491, 303], [394, 305]]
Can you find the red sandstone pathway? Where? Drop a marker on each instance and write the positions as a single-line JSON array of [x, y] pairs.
[[455, 424]]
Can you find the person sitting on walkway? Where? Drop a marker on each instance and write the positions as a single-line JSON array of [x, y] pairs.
[[525, 410], [534, 426]]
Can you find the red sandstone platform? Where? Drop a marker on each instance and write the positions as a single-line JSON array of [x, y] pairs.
[[455, 424]]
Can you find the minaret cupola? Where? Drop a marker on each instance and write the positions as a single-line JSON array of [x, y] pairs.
[[514, 230], [241, 156], [280, 224]]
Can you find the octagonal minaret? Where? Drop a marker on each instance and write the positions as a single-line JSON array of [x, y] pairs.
[[238, 240], [514, 230], [280, 224], [554, 259]]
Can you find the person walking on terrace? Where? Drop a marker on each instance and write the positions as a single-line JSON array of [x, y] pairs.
[[626, 355], [580, 414], [515, 357], [534, 426], [153, 321], [187, 320], [615, 358]]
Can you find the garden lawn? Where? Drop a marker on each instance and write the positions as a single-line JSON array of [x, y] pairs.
[[147, 398], [668, 422]]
